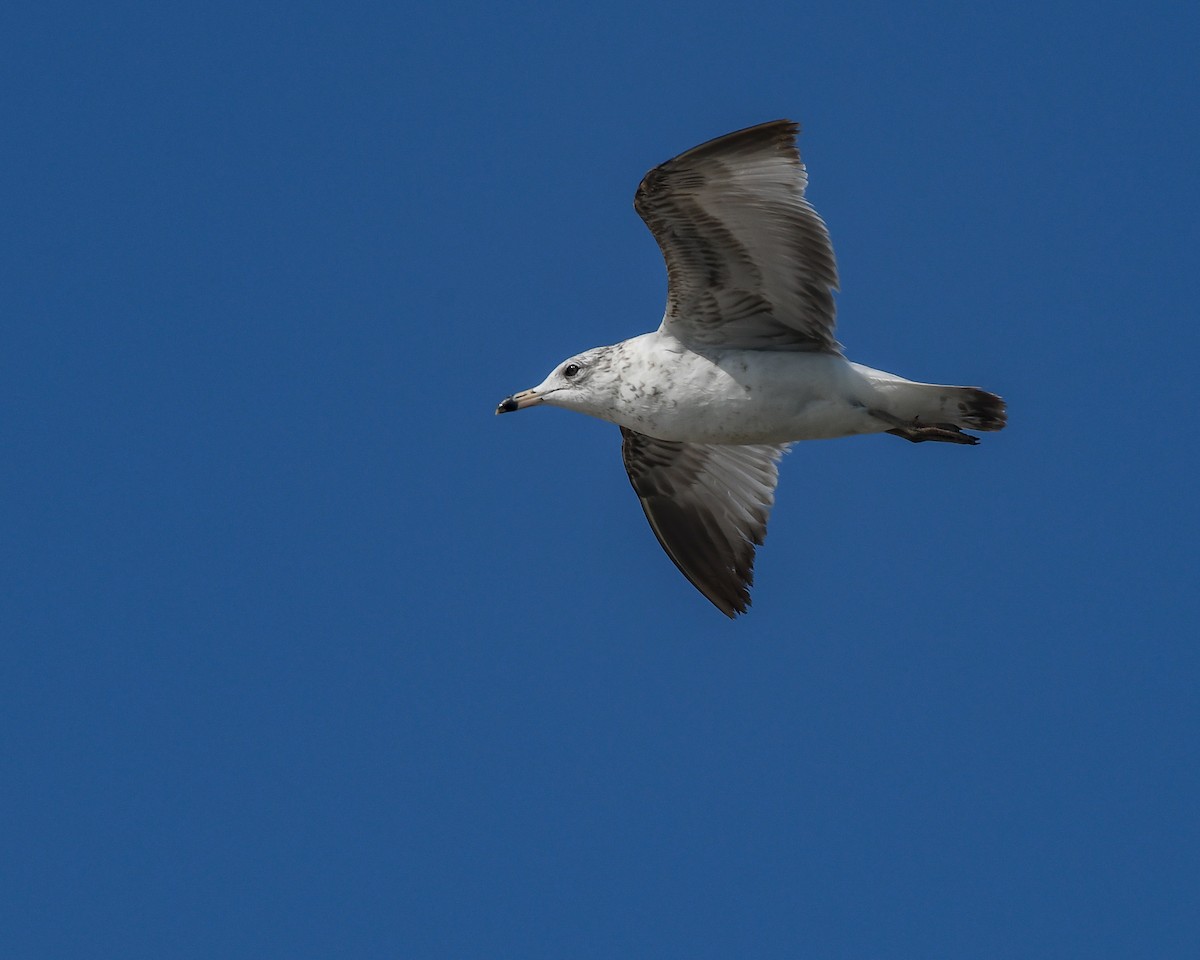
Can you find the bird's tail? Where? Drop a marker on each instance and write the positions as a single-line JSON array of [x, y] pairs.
[[934, 411]]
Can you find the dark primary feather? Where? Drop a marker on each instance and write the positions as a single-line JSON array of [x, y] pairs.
[[708, 506], [749, 262]]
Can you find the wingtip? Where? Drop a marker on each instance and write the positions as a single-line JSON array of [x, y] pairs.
[[732, 603], [783, 133]]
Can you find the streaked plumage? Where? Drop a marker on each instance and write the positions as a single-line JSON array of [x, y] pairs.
[[749, 262], [744, 361]]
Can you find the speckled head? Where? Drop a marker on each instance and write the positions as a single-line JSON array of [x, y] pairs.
[[586, 382]]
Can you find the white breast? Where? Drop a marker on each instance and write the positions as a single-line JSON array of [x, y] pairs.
[[740, 396]]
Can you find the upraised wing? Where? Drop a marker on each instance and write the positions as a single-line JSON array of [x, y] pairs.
[[749, 262]]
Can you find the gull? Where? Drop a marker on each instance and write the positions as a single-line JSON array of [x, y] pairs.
[[744, 362]]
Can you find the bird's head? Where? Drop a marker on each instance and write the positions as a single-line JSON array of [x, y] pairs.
[[584, 383]]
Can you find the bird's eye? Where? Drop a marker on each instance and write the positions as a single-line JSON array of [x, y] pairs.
[[570, 370]]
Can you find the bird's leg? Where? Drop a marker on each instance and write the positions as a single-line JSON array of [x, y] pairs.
[[916, 432], [946, 432]]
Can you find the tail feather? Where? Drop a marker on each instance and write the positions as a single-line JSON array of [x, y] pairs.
[[977, 409], [917, 405]]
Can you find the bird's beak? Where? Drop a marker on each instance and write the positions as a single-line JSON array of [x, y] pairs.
[[519, 401]]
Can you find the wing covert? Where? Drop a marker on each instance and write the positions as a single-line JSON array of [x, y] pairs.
[[749, 261]]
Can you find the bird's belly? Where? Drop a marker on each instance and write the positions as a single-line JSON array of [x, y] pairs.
[[757, 422], [796, 398]]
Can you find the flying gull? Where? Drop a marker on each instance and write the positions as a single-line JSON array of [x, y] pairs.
[[744, 362]]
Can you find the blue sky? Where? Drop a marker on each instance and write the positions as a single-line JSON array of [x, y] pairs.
[[307, 654]]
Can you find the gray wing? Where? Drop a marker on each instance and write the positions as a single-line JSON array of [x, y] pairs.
[[749, 261], [708, 505]]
